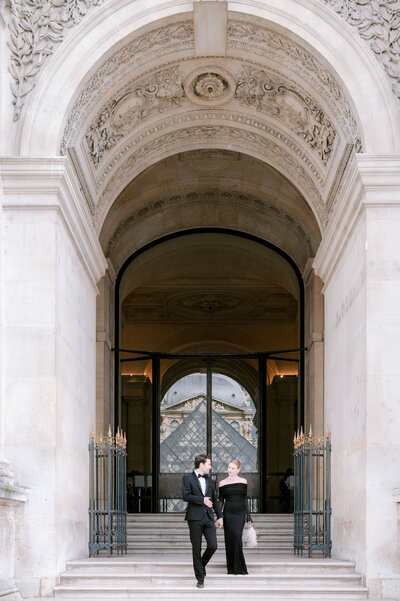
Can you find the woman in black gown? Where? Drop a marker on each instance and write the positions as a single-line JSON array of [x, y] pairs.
[[233, 497]]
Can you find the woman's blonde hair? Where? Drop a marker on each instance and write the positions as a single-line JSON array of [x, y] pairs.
[[237, 463]]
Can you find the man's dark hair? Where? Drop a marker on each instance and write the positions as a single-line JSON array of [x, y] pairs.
[[200, 459]]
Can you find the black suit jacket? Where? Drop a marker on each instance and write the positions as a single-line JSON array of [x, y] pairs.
[[193, 495]]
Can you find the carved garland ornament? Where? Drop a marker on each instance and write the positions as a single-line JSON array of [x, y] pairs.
[[216, 197], [35, 27], [378, 23]]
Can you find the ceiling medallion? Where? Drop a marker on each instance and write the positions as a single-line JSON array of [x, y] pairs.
[[211, 85]]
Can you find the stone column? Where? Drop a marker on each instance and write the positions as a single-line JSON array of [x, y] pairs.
[[314, 357], [359, 263], [51, 263], [105, 325]]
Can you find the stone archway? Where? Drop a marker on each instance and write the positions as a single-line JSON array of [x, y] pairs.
[[300, 90]]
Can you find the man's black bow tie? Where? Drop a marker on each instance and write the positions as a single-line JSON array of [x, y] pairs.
[[202, 476]]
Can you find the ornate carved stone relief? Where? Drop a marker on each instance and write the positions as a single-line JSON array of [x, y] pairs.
[[247, 36], [231, 197], [164, 304], [378, 23], [177, 36], [212, 86], [36, 26], [301, 113], [212, 135], [207, 116], [158, 94], [164, 90]]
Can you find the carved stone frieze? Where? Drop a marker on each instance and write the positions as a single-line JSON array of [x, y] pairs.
[[231, 197], [177, 36], [158, 94], [253, 87], [283, 153], [302, 114], [207, 117], [36, 26], [209, 303], [255, 39], [378, 23]]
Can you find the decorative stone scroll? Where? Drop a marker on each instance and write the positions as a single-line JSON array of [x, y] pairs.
[[36, 26], [378, 23], [179, 36], [163, 91], [302, 114]]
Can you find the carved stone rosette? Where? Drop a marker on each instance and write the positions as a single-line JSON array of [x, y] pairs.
[[209, 86]]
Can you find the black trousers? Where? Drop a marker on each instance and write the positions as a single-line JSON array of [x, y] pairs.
[[198, 528]]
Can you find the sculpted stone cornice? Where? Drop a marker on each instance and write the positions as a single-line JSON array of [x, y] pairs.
[[378, 23], [178, 36], [36, 26], [231, 197], [281, 151], [257, 40]]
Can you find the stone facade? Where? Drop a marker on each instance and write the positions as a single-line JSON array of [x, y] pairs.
[[124, 123]]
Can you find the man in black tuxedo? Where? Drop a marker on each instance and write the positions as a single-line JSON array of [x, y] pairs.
[[198, 491]]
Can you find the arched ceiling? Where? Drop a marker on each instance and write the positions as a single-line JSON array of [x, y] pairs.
[[209, 278], [265, 95], [210, 188], [208, 292]]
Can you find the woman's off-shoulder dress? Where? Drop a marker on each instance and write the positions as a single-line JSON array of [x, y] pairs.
[[235, 510]]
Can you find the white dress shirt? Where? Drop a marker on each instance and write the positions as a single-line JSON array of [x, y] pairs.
[[202, 482]]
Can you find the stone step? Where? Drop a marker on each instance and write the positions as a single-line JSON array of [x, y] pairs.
[[188, 593], [217, 565], [184, 536], [185, 546], [158, 564], [180, 517], [176, 578]]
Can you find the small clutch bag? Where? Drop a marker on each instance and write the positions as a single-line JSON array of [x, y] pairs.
[[249, 536]]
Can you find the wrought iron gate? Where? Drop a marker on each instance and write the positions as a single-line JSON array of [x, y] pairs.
[[107, 505], [312, 494]]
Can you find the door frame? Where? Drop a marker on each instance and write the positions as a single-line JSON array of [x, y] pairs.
[[156, 358]]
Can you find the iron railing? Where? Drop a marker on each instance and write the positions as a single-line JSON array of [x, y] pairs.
[[312, 494], [107, 504]]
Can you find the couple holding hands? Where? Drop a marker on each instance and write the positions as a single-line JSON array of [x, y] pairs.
[[198, 491]]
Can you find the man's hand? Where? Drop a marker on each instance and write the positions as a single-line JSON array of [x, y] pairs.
[[219, 522], [207, 502]]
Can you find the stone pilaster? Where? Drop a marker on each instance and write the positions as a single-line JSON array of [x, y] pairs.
[[51, 264], [359, 263]]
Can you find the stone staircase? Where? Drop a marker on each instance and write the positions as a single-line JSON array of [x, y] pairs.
[[159, 565]]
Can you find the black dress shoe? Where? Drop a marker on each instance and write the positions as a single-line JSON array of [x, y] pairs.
[[200, 584]]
